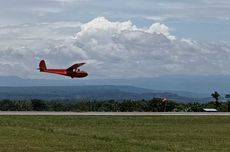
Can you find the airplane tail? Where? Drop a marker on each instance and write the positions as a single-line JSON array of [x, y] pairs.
[[42, 65]]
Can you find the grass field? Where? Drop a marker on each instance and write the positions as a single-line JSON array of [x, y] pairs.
[[114, 133]]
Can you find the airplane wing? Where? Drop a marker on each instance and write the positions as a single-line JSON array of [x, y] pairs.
[[75, 66]]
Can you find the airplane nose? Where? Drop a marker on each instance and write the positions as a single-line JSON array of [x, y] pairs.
[[86, 74]]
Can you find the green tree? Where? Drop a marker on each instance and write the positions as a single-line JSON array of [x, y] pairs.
[[216, 96], [39, 105], [228, 106], [227, 96]]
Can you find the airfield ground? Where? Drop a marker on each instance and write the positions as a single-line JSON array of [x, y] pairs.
[[114, 133]]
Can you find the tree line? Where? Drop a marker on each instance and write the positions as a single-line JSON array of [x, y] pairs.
[[153, 105]]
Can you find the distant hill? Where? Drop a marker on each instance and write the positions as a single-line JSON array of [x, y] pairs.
[[88, 93], [190, 86], [184, 83]]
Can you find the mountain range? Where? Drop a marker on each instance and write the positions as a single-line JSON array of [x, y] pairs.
[[178, 88], [105, 92], [183, 87]]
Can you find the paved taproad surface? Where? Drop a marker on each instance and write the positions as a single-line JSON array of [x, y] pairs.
[[36, 113]]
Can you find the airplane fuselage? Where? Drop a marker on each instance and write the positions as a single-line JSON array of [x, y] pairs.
[[72, 74], [73, 71]]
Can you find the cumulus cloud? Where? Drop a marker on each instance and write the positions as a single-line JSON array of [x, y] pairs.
[[68, 1], [110, 49], [102, 24]]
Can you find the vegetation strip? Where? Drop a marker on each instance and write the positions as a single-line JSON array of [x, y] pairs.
[[153, 105]]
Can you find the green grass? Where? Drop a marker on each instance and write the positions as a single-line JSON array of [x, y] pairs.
[[114, 133]]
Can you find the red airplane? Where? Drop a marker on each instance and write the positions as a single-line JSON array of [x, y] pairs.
[[72, 71]]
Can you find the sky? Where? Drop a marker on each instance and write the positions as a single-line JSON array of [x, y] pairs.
[[116, 39]]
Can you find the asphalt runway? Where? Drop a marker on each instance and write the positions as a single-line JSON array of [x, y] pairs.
[[36, 113]]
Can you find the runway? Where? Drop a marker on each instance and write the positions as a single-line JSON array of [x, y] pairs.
[[38, 113]]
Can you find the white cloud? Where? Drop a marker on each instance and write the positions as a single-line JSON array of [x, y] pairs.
[[68, 1], [102, 24], [110, 49]]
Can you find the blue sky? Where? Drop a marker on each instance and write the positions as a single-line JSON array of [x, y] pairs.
[[199, 19], [116, 37]]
